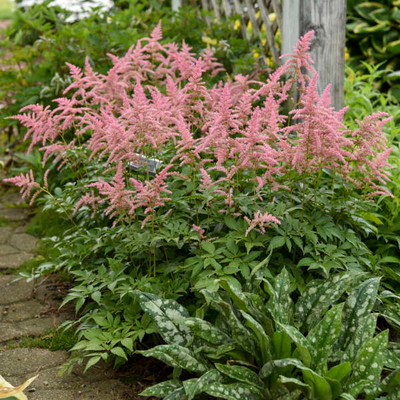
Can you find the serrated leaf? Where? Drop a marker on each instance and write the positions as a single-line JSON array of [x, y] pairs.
[[357, 306], [241, 374], [167, 315], [177, 356], [369, 365], [276, 242], [162, 389], [208, 247], [119, 351], [323, 335]]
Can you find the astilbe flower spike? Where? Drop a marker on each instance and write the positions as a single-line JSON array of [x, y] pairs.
[[260, 221], [27, 185]]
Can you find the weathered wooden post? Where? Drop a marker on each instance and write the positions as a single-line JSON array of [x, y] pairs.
[[176, 5], [328, 19]]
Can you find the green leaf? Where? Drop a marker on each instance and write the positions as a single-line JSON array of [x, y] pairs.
[[241, 374], [207, 331], [234, 391], [276, 242], [364, 332], [319, 295], [358, 305], [167, 315], [237, 296], [119, 351], [293, 383], [281, 345], [270, 367], [319, 385], [339, 372], [92, 361], [262, 337], [302, 344], [194, 387], [162, 389], [96, 296], [177, 356], [323, 335], [369, 365], [280, 302], [128, 343], [208, 247]]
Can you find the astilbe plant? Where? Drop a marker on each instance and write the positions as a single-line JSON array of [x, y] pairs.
[[155, 102], [179, 165]]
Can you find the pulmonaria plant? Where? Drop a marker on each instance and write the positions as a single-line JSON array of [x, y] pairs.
[[231, 146]]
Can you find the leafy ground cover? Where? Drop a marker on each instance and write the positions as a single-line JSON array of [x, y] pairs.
[[242, 234]]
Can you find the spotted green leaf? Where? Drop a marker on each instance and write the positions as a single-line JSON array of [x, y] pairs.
[[292, 383], [207, 331], [168, 316], [271, 366], [241, 374], [177, 356], [357, 306], [237, 296], [319, 295], [233, 391], [194, 387], [368, 365], [302, 344], [262, 337], [364, 332], [323, 336], [162, 389], [280, 302]]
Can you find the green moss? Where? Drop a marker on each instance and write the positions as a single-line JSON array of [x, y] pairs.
[[53, 339]]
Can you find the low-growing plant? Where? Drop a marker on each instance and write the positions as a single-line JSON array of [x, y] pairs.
[[263, 344]]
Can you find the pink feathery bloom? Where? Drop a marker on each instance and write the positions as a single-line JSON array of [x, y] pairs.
[[199, 231], [91, 200], [150, 195], [118, 198], [259, 220], [27, 184]]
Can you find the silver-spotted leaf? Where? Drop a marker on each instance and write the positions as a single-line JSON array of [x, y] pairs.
[[168, 316], [357, 306], [271, 366], [262, 337], [364, 332], [162, 389], [241, 374], [320, 295], [207, 331], [293, 383], [194, 387], [323, 336], [233, 391], [177, 356], [280, 302], [369, 365]]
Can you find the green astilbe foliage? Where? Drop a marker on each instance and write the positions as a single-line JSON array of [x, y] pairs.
[[271, 342]]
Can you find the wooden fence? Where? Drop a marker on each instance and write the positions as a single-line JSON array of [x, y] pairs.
[[260, 20]]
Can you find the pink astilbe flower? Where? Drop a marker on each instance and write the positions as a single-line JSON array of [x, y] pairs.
[[28, 186], [115, 193], [91, 200], [150, 194], [260, 222]]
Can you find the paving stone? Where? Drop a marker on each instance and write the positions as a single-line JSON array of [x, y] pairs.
[[20, 362], [6, 249], [23, 241], [37, 326], [13, 261], [14, 214], [21, 311], [9, 331], [5, 233], [12, 292]]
